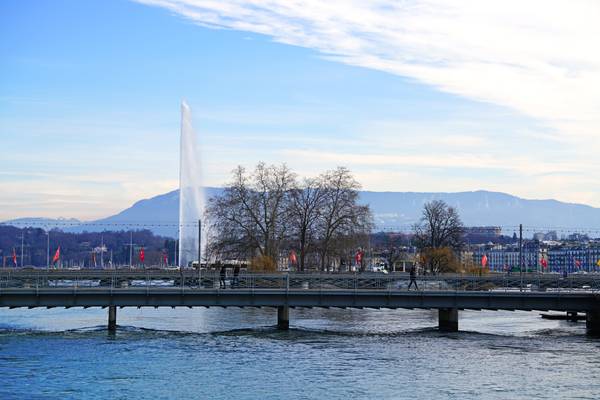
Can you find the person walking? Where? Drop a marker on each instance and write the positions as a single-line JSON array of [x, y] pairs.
[[413, 278], [236, 274], [222, 276]]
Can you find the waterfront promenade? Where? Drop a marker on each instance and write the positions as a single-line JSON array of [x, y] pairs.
[[115, 289]]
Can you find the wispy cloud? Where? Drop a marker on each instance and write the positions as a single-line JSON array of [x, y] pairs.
[[537, 57], [472, 161]]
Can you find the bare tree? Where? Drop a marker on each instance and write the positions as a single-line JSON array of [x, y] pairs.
[[250, 216], [264, 213], [440, 227], [341, 215], [305, 211]]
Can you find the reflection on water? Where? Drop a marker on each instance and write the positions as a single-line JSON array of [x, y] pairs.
[[237, 353]]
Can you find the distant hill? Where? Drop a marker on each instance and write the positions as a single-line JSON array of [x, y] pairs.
[[160, 214], [392, 211], [482, 208]]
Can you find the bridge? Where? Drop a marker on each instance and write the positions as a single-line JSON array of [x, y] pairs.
[[115, 289]]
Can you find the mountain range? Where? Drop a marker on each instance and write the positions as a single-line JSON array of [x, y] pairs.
[[393, 211]]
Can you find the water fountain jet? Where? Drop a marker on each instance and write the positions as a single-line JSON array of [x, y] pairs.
[[191, 196]]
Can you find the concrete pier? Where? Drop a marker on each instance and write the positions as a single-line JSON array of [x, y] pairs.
[[448, 319], [112, 318], [283, 318], [592, 322]]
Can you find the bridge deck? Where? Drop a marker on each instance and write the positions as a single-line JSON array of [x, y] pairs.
[[360, 298]]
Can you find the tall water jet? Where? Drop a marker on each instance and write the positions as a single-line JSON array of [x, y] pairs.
[[191, 196]]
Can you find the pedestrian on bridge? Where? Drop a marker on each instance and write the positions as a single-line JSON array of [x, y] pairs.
[[222, 276], [236, 274], [413, 278]]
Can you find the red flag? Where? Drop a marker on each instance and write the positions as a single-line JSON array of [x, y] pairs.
[[293, 258], [142, 256], [544, 263], [165, 259], [577, 263], [359, 256], [484, 260], [14, 257], [56, 255]]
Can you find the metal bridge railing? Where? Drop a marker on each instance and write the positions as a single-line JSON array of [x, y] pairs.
[[211, 280]]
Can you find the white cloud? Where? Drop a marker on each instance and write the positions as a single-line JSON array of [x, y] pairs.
[[538, 57]]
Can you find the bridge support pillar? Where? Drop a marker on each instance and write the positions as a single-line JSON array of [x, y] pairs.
[[112, 318], [283, 318], [448, 319], [592, 322]]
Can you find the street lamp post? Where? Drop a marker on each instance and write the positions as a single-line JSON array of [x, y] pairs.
[[131, 244]]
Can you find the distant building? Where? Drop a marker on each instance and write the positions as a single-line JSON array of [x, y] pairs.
[[504, 259], [539, 236], [552, 235], [578, 237], [559, 256], [572, 259], [493, 231]]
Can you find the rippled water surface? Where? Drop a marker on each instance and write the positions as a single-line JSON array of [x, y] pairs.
[[333, 354]]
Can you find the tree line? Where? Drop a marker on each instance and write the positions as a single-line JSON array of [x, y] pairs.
[[270, 213], [79, 248]]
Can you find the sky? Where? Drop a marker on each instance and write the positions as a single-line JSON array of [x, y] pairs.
[[417, 95]]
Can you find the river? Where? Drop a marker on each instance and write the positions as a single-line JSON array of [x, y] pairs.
[[334, 354]]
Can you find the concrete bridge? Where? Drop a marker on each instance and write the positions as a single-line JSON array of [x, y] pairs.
[[163, 288]]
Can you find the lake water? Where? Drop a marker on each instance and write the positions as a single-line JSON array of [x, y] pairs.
[[334, 354]]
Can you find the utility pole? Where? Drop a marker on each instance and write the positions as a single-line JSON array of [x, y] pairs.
[[521, 253]]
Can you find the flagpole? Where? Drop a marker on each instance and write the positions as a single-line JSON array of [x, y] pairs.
[[48, 250], [521, 254], [22, 244], [199, 241], [130, 249]]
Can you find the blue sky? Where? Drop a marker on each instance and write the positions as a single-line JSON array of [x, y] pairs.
[[410, 99]]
